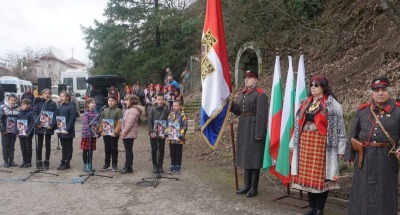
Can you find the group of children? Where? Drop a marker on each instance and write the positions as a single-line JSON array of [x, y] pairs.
[[124, 125]]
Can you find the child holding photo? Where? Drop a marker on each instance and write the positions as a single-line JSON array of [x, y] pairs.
[[44, 133], [88, 137], [130, 130], [66, 109], [26, 113], [176, 146], [10, 110], [111, 141]]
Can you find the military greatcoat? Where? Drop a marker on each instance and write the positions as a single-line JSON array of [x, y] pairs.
[[252, 109], [374, 188]]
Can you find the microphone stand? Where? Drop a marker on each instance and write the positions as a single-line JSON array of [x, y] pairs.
[[37, 170], [58, 145], [157, 176], [91, 173]]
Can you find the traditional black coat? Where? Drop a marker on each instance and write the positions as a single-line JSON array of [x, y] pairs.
[[249, 151], [374, 188]]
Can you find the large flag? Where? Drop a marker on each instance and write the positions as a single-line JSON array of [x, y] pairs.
[[283, 160], [274, 123], [216, 81], [301, 90]]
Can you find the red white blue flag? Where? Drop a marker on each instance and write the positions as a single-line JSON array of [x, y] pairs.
[[216, 81]]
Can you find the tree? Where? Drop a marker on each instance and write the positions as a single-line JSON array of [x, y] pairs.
[[140, 38]]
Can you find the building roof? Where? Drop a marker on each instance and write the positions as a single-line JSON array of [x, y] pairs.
[[51, 56], [7, 68], [72, 60]]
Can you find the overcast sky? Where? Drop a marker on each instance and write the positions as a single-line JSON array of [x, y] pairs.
[[43, 23]]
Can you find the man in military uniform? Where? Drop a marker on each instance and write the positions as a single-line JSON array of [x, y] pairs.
[[374, 189], [253, 111]]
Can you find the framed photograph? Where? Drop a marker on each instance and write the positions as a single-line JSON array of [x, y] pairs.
[[173, 131], [159, 127], [122, 123], [61, 123], [22, 125], [10, 124], [108, 126], [95, 127], [46, 117]]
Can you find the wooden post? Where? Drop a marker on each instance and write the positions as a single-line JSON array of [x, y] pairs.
[[234, 152]]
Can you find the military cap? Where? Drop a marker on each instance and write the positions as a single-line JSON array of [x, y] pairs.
[[252, 73], [380, 83]]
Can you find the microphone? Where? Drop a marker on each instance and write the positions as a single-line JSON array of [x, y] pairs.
[[103, 107]]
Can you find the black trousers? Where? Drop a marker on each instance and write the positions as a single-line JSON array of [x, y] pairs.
[[157, 144], [318, 200], [47, 138], [26, 148], [8, 143], [110, 149], [128, 143], [67, 149], [87, 156], [175, 151]]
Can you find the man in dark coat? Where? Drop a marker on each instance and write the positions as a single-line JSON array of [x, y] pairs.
[[1, 95], [253, 111], [374, 188]]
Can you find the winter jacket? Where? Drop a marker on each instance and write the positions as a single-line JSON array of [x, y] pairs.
[[1, 94], [69, 111], [28, 115], [131, 117], [39, 104], [5, 112], [112, 113], [88, 117], [28, 96], [157, 113], [178, 117]]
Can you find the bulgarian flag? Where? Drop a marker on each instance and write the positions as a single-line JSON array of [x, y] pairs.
[[215, 77], [274, 123], [301, 91], [284, 156]]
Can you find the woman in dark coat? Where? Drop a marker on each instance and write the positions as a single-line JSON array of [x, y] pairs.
[[66, 109], [44, 133], [28, 94], [253, 111]]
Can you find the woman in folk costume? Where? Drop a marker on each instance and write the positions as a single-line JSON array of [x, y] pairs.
[[319, 138], [252, 109]]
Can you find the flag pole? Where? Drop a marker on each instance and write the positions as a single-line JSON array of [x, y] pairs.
[[234, 152]]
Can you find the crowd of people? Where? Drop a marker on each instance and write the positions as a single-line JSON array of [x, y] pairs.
[[43, 119], [319, 137]]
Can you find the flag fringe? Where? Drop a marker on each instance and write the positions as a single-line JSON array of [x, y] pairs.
[[223, 125]]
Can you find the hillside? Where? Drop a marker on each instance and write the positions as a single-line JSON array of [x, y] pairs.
[[361, 44]]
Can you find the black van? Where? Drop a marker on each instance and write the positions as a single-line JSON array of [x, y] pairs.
[[100, 85]]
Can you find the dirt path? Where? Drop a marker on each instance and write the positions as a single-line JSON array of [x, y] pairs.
[[201, 189]]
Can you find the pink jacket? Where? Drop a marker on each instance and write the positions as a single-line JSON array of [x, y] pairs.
[[131, 117]]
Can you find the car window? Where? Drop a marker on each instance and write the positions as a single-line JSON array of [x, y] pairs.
[[69, 82], [54, 90], [22, 88], [11, 88], [81, 83]]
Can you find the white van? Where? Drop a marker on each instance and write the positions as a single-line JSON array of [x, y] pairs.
[[76, 79], [14, 85]]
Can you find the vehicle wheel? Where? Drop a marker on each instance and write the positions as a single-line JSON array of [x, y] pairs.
[[78, 114]]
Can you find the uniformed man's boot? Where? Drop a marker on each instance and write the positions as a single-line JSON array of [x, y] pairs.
[[247, 180], [255, 175]]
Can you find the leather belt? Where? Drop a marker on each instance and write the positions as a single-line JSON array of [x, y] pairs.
[[248, 114], [377, 144]]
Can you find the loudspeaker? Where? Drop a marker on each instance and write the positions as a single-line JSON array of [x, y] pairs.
[[43, 83], [62, 87]]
